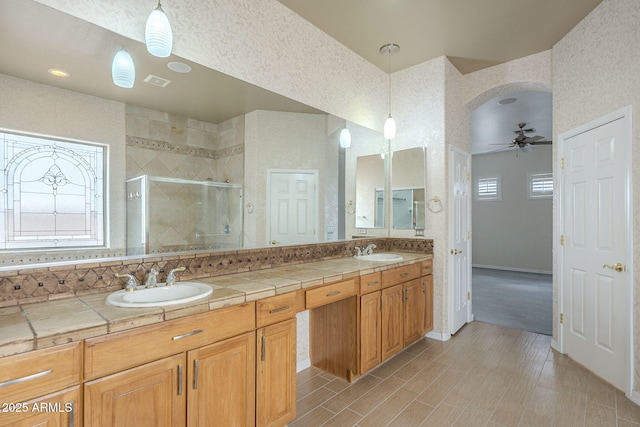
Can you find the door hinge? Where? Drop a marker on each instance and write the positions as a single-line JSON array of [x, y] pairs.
[[562, 163], [562, 240], [561, 318], [468, 296], [468, 176], [468, 235]]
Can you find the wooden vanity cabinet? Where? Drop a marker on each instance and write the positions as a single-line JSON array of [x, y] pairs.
[[395, 316], [221, 383], [151, 395], [196, 371], [62, 408], [42, 387], [276, 360]]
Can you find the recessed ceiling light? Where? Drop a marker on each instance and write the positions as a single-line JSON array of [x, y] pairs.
[[507, 101], [58, 72], [179, 67]]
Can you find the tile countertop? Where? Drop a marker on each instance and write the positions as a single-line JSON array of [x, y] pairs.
[[40, 325]]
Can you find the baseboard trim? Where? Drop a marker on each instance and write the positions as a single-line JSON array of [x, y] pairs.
[[520, 270], [555, 345], [438, 336], [634, 397], [301, 365]]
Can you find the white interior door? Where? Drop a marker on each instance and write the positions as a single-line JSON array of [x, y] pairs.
[[459, 238], [292, 215], [596, 230]]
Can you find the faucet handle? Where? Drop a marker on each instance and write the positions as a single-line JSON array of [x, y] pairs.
[[132, 283], [171, 277]]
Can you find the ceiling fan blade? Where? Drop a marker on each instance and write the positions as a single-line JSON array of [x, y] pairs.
[[534, 138], [506, 143], [541, 142]]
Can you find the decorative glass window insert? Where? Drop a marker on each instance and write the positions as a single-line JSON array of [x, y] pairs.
[[52, 193], [540, 185], [488, 188]]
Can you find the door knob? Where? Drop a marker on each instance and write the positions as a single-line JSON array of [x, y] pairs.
[[273, 242], [617, 267]]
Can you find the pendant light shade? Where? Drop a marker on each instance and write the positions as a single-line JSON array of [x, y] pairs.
[[389, 128], [123, 72], [345, 138], [157, 34]]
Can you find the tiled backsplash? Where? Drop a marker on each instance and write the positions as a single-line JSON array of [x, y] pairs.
[[24, 285]]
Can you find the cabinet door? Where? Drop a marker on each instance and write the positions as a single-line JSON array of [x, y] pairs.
[[370, 331], [276, 374], [392, 321], [222, 383], [57, 409], [151, 395], [414, 309], [427, 289]]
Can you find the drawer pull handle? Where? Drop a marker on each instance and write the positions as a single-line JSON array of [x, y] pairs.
[[188, 334], [263, 349], [27, 378], [180, 379], [278, 310], [333, 294], [373, 283]]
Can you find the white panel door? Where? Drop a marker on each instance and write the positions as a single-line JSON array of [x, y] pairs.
[[595, 200], [459, 253], [292, 212]]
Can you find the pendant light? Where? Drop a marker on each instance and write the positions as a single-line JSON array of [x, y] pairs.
[[389, 129], [123, 72], [157, 33], [345, 137]]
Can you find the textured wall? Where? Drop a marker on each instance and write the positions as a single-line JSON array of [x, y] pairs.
[[595, 72]]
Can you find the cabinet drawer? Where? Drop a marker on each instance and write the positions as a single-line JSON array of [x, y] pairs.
[[370, 283], [400, 275], [329, 293], [123, 350], [275, 309], [426, 268], [40, 372]]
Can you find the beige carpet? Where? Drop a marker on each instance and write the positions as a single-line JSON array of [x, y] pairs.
[[513, 299]]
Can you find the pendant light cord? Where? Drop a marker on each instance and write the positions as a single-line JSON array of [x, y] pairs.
[[389, 69]]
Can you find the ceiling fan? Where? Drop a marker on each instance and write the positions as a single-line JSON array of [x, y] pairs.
[[525, 143]]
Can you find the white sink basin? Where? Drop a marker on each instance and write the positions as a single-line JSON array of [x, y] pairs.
[[179, 293], [379, 257]]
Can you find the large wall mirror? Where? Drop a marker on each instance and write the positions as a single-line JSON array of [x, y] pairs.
[[203, 130], [408, 189], [370, 189]]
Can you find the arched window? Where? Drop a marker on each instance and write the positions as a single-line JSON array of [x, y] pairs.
[[52, 193]]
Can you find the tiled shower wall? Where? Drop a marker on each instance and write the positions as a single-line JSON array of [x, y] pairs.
[[28, 285], [170, 146]]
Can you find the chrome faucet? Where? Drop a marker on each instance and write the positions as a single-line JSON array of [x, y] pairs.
[[132, 283], [358, 251], [152, 280], [369, 249], [171, 277]]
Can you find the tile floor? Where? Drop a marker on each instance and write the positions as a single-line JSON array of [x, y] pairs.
[[486, 375]]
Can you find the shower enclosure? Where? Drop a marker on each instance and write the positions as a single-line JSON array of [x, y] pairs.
[[171, 214]]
